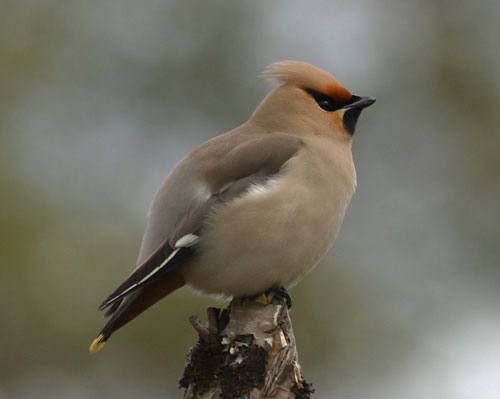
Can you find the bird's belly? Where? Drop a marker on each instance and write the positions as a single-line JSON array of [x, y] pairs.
[[269, 237]]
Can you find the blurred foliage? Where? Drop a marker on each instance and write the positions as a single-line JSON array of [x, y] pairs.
[[100, 99]]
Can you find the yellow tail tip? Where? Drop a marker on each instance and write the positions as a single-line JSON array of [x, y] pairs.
[[97, 344]]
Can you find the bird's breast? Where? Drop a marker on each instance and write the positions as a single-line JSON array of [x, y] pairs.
[[275, 232]]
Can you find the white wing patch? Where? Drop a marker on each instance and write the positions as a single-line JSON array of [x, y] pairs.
[[186, 241], [257, 190], [260, 190]]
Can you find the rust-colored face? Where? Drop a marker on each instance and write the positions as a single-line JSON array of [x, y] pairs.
[[337, 118], [335, 91], [331, 96], [345, 113]]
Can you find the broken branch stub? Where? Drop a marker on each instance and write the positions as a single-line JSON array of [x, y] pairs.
[[246, 351]]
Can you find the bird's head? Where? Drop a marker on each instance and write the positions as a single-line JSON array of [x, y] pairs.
[[308, 100]]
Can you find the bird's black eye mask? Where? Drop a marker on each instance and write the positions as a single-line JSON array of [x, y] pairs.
[[328, 103]]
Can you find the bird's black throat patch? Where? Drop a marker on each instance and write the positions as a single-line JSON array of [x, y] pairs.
[[350, 119]]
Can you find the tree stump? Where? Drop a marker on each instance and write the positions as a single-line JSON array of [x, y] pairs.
[[246, 351]]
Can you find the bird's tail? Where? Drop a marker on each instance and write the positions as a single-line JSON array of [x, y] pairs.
[[136, 303]]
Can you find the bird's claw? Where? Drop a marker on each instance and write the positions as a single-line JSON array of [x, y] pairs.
[[280, 293]]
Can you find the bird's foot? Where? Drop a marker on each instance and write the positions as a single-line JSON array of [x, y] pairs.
[[279, 293], [260, 298]]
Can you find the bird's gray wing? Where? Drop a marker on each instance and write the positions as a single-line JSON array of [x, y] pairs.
[[200, 182], [230, 176]]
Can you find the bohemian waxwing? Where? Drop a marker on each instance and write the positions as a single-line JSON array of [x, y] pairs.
[[254, 208]]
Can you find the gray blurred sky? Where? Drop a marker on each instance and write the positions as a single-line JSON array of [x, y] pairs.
[[98, 101]]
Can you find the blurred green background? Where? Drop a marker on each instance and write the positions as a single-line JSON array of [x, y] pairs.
[[99, 100]]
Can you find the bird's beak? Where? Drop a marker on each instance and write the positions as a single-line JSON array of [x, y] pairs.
[[360, 102], [353, 110]]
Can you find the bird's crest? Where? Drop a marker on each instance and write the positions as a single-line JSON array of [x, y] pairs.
[[307, 76]]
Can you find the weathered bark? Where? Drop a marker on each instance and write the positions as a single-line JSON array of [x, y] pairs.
[[246, 351]]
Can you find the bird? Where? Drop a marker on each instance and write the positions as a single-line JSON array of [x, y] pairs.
[[254, 208]]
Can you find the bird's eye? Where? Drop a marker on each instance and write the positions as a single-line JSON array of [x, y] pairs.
[[325, 102]]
